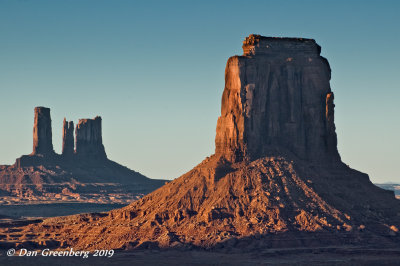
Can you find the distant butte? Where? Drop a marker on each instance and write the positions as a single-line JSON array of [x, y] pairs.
[[81, 173], [68, 138], [89, 141], [42, 135], [276, 179]]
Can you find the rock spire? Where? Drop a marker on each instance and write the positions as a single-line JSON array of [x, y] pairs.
[[68, 138], [42, 134]]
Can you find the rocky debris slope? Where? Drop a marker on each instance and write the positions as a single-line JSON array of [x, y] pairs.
[[275, 181], [391, 186], [80, 174], [270, 202]]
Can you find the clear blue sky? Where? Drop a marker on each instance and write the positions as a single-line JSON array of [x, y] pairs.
[[154, 70]]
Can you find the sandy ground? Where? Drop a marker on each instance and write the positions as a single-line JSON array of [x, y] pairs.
[[53, 209], [326, 256]]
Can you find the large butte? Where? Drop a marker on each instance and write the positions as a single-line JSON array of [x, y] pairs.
[[275, 180]]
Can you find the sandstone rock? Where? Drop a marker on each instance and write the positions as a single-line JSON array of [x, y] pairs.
[[43, 152], [89, 142], [277, 97], [42, 134], [276, 179], [46, 176], [68, 138]]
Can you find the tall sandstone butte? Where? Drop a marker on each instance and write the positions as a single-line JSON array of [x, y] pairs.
[[68, 138], [275, 181], [89, 141], [42, 134], [277, 98]]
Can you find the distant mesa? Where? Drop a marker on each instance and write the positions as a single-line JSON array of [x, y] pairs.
[[81, 173]]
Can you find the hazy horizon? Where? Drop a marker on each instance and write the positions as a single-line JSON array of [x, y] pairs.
[[154, 72]]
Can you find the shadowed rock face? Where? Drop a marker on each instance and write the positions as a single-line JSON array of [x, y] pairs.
[[277, 98], [68, 138], [42, 135], [81, 175], [89, 142]]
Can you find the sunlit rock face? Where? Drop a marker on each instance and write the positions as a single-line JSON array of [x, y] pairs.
[[277, 98], [277, 105]]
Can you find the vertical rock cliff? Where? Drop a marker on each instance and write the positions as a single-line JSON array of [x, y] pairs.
[[277, 98], [42, 134], [89, 142], [68, 138]]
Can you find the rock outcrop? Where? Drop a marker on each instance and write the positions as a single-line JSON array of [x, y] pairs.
[[42, 134], [68, 138], [275, 181], [82, 175], [89, 141], [277, 98]]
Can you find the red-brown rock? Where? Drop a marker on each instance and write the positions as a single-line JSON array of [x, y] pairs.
[[82, 176], [89, 141], [277, 98], [68, 138], [42, 134], [275, 181]]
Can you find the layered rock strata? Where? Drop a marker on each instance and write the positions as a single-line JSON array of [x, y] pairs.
[[275, 181], [277, 97]]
